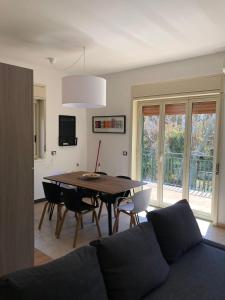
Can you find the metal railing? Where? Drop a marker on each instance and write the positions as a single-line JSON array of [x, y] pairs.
[[201, 170]]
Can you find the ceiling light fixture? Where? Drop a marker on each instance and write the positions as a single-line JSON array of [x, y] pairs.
[[83, 91], [51, 60]]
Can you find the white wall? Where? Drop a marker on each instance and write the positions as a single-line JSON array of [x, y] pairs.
[[119, 102], [66, 157]]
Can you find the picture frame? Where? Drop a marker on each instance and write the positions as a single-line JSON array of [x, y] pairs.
[[109, 124]]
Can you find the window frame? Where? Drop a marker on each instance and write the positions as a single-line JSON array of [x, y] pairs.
[[39, 122]]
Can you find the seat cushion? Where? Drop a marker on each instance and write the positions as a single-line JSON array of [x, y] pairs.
[[75, 276], [127, 206], [199, 274], [176, 229], [131, 262]]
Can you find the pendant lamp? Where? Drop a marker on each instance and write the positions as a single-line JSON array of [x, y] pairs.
[[83, 91]]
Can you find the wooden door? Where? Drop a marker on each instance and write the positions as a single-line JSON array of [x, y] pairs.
[[16, 168]]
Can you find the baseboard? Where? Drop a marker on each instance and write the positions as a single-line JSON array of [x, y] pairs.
[[39, 200]]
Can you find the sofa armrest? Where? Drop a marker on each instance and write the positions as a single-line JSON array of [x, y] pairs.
[[214, 244]]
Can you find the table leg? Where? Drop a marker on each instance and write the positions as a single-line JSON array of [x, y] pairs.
[[109, 209]]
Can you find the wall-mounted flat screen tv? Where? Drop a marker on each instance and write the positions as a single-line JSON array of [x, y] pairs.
[[67, 131]]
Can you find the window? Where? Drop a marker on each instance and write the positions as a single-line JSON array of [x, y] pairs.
[[39, 124]]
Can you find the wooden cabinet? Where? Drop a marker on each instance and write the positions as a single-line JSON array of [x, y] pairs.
[[16, 168]]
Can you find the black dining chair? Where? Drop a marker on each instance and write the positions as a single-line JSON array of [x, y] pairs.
[[52, 206], [73, 202], [93, 195], [53, 196], [115, 199]]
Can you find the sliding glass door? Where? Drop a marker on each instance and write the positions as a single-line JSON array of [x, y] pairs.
[[179, 151], [203, 150]]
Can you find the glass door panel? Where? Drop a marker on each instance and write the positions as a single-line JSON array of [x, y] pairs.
[[173, 156], [202, 152], [150, 148]]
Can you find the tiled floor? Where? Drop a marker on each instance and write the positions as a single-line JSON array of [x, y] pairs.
[[45, 239], [46, 242]]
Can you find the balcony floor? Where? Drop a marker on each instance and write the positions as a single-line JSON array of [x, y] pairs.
[[199, 201]]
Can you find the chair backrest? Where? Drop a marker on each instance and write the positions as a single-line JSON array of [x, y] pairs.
[[52, 192], [101, 173], [124, 177], [141, 200], [55, 173], [72, 199]]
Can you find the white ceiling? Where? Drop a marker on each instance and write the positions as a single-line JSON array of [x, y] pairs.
[[118, 34]]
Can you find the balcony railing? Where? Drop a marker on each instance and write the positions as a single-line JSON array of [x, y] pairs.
[[201, 168]]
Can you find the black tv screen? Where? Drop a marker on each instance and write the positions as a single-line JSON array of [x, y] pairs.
[[67, 130]]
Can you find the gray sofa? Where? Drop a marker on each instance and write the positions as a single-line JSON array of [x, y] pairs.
[[163, 259]]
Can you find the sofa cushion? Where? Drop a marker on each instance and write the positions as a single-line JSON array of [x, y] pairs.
[[176, 229], [199, 274], [131, 262], [75, 276]]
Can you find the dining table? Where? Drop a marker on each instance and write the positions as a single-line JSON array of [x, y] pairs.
[[106, 184]]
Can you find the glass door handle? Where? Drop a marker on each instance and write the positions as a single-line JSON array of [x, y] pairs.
[[217, 169]]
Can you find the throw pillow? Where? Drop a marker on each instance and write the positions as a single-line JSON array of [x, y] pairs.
[[131, 262], [75, 276], [176, 229]]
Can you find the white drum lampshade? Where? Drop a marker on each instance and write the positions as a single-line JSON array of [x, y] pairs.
[[83, 91]]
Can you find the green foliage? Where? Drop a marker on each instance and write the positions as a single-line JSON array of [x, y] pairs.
[[202, 145]]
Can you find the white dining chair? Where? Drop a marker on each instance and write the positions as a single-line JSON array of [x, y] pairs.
[[139, 203]]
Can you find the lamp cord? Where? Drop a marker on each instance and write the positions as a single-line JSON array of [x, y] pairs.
[[84, 58], [74, 63], [83, 54]]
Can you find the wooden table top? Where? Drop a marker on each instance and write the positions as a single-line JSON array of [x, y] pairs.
[[106, 184]]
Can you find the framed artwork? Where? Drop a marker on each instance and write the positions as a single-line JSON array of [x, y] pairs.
[[109, 124]]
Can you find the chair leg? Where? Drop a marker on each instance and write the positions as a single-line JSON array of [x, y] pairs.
[[59, 217], [49, 207], [133, 220], [137, 219], [114, 209], [92, 203], [43, 214], [81, 220], [96, 204], [61, 223], [76, 230], [97, 224], [93, 218], [96, 201], [116, 223], [100, 210]]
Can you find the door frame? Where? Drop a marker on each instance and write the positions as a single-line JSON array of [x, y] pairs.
[[188, 100]]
